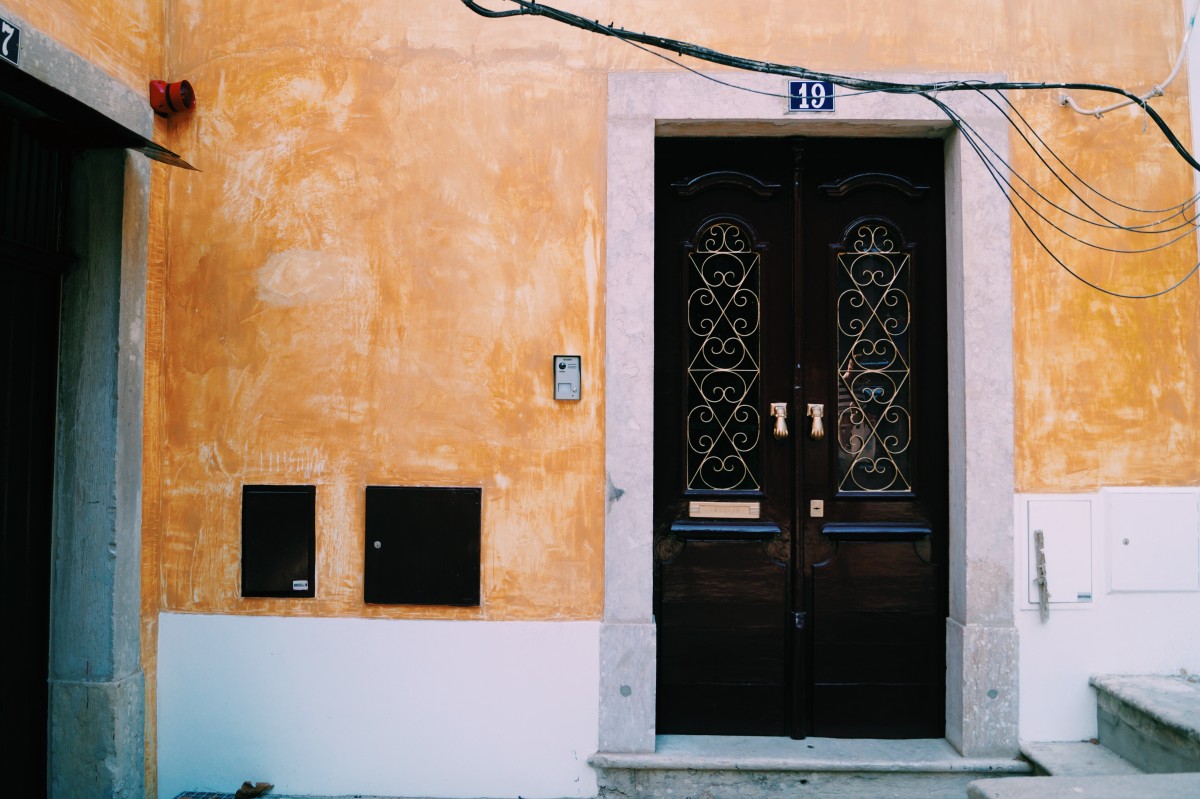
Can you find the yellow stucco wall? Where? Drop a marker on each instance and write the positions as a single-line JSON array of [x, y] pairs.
[[1106, 389], [400, 219], [366, 286], [122, 37]]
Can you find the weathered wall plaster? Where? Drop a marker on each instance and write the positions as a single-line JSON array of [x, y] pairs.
[[401, 218], [366, 286], [371, 189], [123, 38], [444, 161]]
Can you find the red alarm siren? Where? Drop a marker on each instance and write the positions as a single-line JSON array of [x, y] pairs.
[[170, 98]]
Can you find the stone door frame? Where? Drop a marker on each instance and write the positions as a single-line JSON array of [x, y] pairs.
[[97, 692], [981, 641]]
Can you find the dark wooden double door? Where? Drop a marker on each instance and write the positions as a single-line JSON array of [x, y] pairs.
[[800, 580]]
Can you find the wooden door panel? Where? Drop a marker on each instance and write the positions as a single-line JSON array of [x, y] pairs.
[[876, 617], [784, 622], [722, 587], [723, 645], [871, 568], [876, 710], [724, 573], [722, 709], [876, 577], [724, 655], [854, 659]]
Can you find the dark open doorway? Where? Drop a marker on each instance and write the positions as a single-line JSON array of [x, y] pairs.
[[32, 262]]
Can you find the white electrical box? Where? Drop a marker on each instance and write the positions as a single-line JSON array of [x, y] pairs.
[[1066, 527], [567, 377], [1154, 540]]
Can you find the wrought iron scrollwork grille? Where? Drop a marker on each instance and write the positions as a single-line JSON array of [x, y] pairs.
[[724, 327], [874, 323]]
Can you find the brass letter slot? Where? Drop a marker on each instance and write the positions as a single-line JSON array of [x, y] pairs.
[[724, 510]]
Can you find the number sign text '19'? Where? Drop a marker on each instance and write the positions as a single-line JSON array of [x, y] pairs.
[[810, 95]]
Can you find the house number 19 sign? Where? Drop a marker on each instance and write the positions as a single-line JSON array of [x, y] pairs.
[[810, 95]]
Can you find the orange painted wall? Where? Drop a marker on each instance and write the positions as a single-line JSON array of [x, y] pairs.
[[1106, 389], [400, 219], [366, 285], [122, 37]]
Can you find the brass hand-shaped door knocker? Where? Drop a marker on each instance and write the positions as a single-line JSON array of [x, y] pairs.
[[779, 411], [816, 411]]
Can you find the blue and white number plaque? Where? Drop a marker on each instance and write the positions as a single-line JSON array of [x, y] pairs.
[[810, 95]]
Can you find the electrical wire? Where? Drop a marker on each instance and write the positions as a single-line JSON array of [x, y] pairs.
[[1033, 131], [527, 7], [995, 164], [969, 137], [998, 174], [1188, 222], [1158, 90]]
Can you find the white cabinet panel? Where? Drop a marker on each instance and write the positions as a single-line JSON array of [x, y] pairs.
[[1066, 527], [1154, 540]]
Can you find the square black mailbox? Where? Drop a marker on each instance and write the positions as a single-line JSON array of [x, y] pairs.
[[422, 545], [279, 540]]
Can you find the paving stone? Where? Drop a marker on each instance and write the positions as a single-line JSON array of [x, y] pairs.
[[1126, 786], [1075, 759]]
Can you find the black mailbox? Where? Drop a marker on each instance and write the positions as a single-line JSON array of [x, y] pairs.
[[278, 540], [423, 545]]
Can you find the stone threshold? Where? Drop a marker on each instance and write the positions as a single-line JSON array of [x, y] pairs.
[[750, 753]]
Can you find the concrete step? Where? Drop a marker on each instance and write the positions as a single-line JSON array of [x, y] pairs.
[[726, 767], [1075, 759], [1152, 721], [1121, 786]]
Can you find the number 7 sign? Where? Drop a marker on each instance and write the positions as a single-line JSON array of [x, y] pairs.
[[10, 42]]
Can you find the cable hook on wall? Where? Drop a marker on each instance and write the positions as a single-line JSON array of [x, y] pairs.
[[1158, 90]]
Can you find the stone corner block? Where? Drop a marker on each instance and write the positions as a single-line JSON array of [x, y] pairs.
[[628, 659]]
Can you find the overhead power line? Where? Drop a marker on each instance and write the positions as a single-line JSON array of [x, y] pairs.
[[1020, 192]]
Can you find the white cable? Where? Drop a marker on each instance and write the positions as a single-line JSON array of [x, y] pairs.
[[1156, 91]]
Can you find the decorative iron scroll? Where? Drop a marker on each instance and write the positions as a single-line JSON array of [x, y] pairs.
[[874, 320], [723, 319]]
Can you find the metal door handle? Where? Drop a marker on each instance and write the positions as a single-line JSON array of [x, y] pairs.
[[816, 411], [779, 411]]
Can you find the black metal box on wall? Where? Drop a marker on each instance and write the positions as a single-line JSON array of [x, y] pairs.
[[423, 545], [278, 541]]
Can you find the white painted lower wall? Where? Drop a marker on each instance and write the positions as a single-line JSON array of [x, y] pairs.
[[1138, 553], [377, 707]]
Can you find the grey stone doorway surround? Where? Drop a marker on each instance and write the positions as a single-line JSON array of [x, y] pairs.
[[96, 745], [981, 651]]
